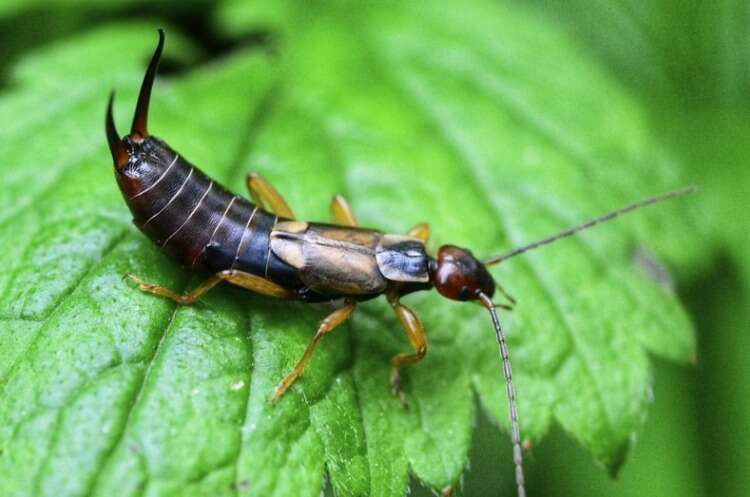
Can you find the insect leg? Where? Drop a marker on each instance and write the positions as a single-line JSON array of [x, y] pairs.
[[239, 278], [255, 284], [341, 213], [415, 334], [328, 324], [265, 195], [421, 231]]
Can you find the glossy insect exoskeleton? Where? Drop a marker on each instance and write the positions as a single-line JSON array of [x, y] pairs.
[[260, 246]]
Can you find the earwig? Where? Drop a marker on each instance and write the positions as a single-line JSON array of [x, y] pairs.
[[260, 246]]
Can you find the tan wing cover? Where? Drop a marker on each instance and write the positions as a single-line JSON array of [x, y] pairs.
[[331, 259]]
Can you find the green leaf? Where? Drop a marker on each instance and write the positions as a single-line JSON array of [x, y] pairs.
[[689, 59], [484, 121], [691, 53]]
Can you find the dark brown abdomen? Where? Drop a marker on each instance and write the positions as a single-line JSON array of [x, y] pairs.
[[197, 221]]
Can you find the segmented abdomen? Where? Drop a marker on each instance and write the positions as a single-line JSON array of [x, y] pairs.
[[197, 221]]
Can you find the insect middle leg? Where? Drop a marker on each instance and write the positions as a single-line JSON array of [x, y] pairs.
[[239, 278], [265, 195], [327, 325], [341, 213], [415, 334]]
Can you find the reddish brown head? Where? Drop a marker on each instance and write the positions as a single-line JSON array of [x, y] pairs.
[[458, 275]]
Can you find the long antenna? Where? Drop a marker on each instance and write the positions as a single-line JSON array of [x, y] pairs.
[[589, 224], [140, 119], [515, 431]]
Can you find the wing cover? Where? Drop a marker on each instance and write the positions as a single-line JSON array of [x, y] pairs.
[[331, 259]]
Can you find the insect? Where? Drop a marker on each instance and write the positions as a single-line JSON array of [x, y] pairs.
[[260, 246]]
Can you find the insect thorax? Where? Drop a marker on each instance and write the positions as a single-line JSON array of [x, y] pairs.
[[348, 261], [402, 259]]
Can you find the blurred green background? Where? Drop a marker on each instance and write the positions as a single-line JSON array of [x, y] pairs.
[[688, 64]]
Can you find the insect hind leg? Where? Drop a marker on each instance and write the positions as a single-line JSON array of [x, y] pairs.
[[185, 299], [239, 278]]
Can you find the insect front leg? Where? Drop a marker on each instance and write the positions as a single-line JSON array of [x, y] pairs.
[[415, 334], [265, 195], [327, 325], [341, 213], [239, 278]]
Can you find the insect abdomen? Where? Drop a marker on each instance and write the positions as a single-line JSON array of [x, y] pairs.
[[196, 220]]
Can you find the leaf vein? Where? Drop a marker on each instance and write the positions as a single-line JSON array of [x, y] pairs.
[[60, 304], [136, 399]]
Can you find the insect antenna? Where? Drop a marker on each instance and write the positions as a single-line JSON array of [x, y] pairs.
[[116, 147], [515, 431], [139, 130], [588, 224]]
